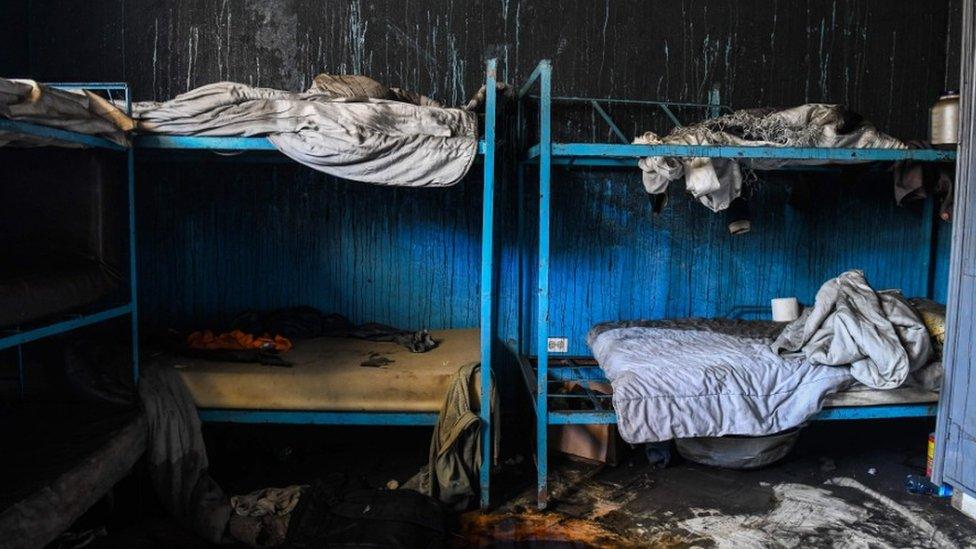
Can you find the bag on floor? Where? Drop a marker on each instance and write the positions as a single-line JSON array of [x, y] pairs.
[[326, 517]]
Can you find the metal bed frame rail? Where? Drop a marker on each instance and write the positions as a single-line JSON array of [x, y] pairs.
[[486, 147], [543, 371], [16, 338]]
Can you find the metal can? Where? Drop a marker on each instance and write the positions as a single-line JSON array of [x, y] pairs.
[[944, 120]]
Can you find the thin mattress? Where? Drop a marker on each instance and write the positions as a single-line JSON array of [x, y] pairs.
[[57, 461], [865, 396], [42, 285], [328, 375]]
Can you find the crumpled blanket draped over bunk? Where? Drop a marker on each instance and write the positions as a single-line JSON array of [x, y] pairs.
[[693, 378], [346, 126], [77, 111], [177, 455], [716, 182], [878, 334]]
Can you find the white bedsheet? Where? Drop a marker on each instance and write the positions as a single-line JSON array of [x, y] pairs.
[[373, 140], [691, 381]]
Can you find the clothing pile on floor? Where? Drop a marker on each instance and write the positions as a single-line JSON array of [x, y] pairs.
[[710, 378]]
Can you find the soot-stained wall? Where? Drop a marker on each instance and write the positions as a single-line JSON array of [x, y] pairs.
[[224, 237], [14, 25]]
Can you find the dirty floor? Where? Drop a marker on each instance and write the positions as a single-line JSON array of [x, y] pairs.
[[843, 486]]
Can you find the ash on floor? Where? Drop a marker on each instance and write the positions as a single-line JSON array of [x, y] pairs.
[[842, 487]]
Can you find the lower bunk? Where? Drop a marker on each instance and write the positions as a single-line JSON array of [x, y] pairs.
[[333, 380], [58, 460], [349, 381], [579, 393], [705, 379]]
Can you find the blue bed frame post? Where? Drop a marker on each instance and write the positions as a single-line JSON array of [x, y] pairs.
[[487, 286], [133, 284], [542, 343]]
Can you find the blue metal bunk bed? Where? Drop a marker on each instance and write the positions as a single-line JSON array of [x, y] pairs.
[[21, 335], [543, 369], [231, 146]]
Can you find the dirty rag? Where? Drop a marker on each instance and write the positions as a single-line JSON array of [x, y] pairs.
[[237, 340], [268, 501], [916, 181]]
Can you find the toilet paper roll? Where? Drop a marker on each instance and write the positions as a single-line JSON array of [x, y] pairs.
[[785, 309]]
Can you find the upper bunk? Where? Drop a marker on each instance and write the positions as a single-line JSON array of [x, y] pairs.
[[53, 129], [262, 148], [67, 114], [545, 151]]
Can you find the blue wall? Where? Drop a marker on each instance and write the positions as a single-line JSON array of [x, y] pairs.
[[223, 237], [612, 259]]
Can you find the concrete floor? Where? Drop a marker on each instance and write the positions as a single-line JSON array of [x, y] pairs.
[[822, 495]]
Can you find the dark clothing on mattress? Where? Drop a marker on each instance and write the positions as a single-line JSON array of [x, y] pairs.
[[308, 322]]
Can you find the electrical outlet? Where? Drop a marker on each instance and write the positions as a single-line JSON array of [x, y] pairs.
[[558, 344]]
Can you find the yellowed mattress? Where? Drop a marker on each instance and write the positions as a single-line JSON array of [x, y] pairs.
[[862, 396], [328, 375]]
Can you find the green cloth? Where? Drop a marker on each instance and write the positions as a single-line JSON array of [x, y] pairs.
[[452, 473]]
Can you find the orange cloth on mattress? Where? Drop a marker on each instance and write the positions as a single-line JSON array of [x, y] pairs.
[[237, 340]]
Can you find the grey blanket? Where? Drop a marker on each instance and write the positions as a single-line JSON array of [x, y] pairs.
[[692, 378], [716, 182], [349, 127], [878, 334], [177, 455]]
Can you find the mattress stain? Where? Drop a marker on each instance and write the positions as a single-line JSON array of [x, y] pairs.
[[376, 360]]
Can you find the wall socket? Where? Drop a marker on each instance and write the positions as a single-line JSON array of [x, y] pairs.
[[558, 344]]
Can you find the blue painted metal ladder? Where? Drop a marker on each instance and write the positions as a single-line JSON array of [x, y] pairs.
[[18, 337], [541, 370]]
